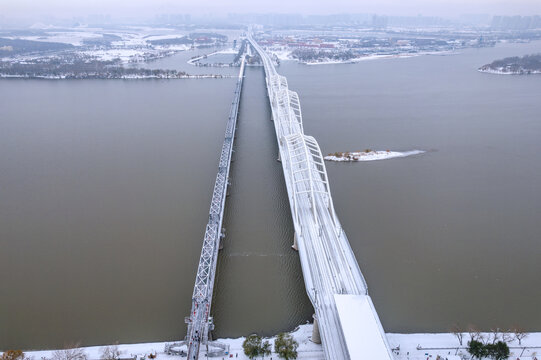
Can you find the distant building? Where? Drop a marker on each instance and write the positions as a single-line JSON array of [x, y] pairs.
[[516, 22], [379, 22]]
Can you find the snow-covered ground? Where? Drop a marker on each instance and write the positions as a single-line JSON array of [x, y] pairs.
[[75, 38], [370, 155], [125, 55], [405, 347], [281, 54], [307, 349], [228, 51], [129, 44], [447, 346]]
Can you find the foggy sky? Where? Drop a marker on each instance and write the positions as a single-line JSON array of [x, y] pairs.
[[444, 8]]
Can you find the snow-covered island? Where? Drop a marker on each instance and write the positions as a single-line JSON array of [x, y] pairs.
[[526, 65], [369, 155]]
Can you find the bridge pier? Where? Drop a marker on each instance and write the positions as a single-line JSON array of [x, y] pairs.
[[222, 237], [295, 245], [316, 338]]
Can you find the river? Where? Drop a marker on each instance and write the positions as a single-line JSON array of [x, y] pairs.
[[105, 190]]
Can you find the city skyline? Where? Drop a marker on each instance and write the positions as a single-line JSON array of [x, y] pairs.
[[213, 8]]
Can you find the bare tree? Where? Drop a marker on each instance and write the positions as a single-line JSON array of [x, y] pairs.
[[71, 352], [457, 331], [520, 334], [111, 352], [474, 333], [508, 336], [494, 335]]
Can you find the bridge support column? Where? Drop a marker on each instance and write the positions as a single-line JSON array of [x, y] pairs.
[[315, 331], [295, 245], [279, 158], [222, 237]]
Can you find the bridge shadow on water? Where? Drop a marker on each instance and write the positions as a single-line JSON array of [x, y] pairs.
[[259, 285]]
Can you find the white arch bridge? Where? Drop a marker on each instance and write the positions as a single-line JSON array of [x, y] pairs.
[[348, 323]]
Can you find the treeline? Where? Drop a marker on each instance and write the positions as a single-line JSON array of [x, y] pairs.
[[174, 41], [104, 40], [210, 35], [9, 47], [83, 70], [316, 55], [528, 62], [200, 38]]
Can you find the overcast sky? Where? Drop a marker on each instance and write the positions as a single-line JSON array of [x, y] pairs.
[[15, 8]]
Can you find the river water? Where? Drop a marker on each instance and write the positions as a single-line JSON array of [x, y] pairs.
[[105, 189]]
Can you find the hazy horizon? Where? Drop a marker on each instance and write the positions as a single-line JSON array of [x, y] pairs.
[[11, 9]]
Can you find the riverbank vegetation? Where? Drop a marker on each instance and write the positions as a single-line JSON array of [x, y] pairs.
[[525, 65], [285, 346], [88, 70]]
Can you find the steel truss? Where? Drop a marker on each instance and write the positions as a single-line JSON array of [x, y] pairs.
[[200, 323]]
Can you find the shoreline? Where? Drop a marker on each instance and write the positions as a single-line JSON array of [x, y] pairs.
[[414, 346], [136, 77], [501, 72]]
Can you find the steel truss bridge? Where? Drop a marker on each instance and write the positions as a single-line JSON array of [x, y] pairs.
[[200, 323], [332, 276]]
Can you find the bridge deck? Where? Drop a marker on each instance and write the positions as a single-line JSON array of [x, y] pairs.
[[328, 263], [200, 321]]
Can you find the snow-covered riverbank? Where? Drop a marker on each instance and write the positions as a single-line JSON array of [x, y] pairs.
[[505, 71], [405, 347], [120, 77], [447, 346], [307, 349], [370, 155]]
